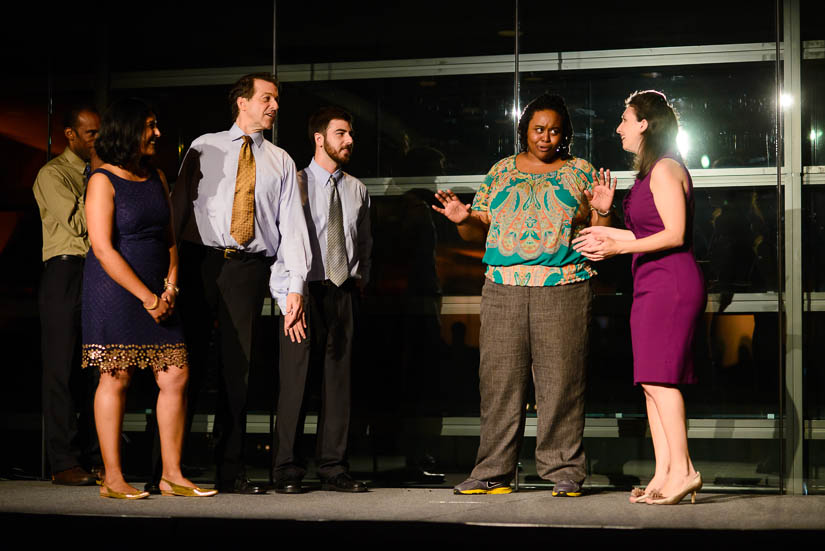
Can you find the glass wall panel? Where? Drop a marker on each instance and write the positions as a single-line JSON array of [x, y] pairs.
[[552, 27], [358, 31], [726, 111], [813, 242], [422, 126], [813, 111], [184, 113], [186, 36]]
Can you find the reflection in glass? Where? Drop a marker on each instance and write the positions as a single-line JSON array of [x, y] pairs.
[[726, 112], [813, 112], [463, 118]]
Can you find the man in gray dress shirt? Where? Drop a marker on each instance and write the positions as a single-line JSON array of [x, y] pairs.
[[337, 213], [237, 210]]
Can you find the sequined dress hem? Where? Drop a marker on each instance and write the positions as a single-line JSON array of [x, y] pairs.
[[121, 357]]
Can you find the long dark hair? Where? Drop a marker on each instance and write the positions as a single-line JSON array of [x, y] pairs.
[[121, 131], [547, 102], [659, 138]]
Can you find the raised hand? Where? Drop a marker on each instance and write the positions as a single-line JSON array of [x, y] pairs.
[[601, 198], [451, 206]]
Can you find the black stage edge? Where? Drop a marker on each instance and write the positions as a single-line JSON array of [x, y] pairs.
[[40, 526]]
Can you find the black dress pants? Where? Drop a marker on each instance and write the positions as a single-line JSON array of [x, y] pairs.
[[232, 292], [330, 322], [59, 302]]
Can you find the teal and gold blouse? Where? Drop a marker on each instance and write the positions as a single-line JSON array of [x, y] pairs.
[[533, 220]]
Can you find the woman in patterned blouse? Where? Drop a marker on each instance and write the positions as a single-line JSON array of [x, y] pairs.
[[535, 307]]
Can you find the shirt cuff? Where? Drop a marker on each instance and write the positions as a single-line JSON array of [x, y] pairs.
[[296, 285]]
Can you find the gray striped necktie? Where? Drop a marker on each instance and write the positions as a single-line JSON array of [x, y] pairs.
[[337, 271]]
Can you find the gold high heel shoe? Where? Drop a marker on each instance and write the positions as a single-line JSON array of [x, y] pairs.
[[690, 488], [186, 491], [105, 491]]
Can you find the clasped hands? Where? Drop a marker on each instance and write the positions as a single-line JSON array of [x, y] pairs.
[[597, 242], [161, 308]]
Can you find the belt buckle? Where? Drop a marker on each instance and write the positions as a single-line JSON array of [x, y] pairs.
[[229, 253]]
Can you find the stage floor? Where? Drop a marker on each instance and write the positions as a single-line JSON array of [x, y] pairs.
[[423, 509]]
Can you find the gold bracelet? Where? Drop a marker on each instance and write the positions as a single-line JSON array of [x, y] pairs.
[[600, 213], [169, 285], [154, 305]]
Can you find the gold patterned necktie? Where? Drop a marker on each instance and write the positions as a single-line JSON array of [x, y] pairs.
[[242, 228], [337, 270]]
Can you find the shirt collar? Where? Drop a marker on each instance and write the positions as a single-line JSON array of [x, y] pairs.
[[235, 133], [322, 175], [74, 161]]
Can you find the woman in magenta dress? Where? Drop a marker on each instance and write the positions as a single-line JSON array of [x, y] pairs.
[[668, 287], [129, 291]]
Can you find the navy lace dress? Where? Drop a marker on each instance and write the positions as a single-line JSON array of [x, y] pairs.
[[118, 332]]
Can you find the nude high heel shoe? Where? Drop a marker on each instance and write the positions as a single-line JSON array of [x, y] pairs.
[[639, 495], [690, 488]]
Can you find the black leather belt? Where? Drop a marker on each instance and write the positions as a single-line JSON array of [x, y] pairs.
[[76, 259], [237, 254], [347, 285]]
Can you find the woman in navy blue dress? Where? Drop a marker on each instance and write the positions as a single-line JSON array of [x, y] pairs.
[[129, 291]]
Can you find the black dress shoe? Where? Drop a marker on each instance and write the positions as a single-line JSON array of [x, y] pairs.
[[343, 483], [76, 476], [152, 488], [288, 486], [240, 486]]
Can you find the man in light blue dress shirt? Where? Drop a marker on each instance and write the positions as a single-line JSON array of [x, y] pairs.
[[224, 279], [337, 213]]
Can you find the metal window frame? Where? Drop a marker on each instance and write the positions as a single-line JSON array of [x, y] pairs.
[[791, 173], [702, 178], [469, 65]]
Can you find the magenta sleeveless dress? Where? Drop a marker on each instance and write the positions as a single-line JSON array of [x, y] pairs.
[[668, 294]]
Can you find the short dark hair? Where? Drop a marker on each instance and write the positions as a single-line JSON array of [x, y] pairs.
[[547, 102], [320, 119], [74, 111], [121, 131], [659, 138], [245, 88]]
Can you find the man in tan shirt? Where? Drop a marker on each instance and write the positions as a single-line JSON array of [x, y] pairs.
[[59, 189]]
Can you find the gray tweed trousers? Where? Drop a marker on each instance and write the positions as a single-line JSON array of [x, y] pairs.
[[543, 330]]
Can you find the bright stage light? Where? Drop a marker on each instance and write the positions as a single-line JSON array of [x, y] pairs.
[[683, 143]]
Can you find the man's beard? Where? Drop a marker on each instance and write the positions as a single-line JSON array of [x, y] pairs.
[[336, 156]]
